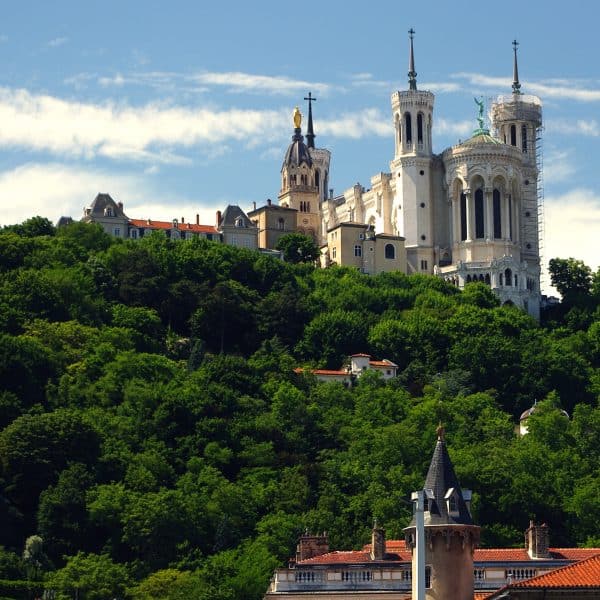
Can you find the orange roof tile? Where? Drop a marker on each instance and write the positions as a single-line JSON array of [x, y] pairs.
[[583, 574], [143, 223], [520, 554], [352, 557], [329, 372], [382, 363]]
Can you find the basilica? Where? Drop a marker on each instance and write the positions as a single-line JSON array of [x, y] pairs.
[[470, 213]]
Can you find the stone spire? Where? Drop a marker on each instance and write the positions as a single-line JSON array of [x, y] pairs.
[[516, 86], [412, 74], [310, 134]]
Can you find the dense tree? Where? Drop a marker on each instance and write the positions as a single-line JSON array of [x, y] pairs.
[[297, 248]]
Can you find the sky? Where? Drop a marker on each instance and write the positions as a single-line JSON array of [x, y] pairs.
[[179, 108]]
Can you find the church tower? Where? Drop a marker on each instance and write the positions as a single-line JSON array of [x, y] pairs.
[[411, 168], [300, 181], [450, 534], [517, 121]]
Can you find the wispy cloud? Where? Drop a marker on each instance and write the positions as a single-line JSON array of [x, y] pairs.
[[52, 190], [551, 88], [59, 41], [558, 166], [355, 125], [579, 127]]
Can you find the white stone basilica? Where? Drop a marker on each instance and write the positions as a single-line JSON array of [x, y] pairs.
[[468, 214]]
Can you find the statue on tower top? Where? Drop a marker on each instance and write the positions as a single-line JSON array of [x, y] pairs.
[[297, 118]]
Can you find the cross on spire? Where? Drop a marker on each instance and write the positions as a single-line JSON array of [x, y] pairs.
[[516, 86], [412, 74], [310, 134]]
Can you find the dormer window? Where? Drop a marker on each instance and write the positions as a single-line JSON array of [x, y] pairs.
[[451, 498], [239, 222], [108, 211]]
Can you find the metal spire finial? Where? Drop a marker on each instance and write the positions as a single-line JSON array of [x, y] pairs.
[[310, 134], [516, 86], [412, 74]]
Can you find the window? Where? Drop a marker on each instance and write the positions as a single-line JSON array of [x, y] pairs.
[[510, 216], [479, 230], [133, 234], [334, 252], [524, 138], [497, 215], [463, 217], [427, 577], [408, 129], [423, 265], [280, 224], [317, 177], [358, 251], [452, 506], [239, 222], [390, 251], [513, 135], [108, 211], [420, 128], [117, 232], [508, 276]]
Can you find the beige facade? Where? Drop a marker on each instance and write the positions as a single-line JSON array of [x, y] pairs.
[[272, 222], [356, 245]]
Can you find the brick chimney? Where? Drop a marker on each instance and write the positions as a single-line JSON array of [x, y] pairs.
[[310, 546], [537, 540], [377, 542], [218, 218], [197, 219]]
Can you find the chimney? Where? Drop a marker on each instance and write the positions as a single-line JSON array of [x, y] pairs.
[[268, 201], [254, 206], [377, 542], [182, 220], [310, 546], [218, 218], [537, 540], [197, 219], [120, 205], [330, 193]]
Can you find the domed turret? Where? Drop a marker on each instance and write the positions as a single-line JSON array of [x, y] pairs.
[[297, 152]]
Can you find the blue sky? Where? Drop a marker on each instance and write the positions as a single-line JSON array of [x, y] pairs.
[[177, 108]]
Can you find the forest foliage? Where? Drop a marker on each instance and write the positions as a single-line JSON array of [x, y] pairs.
[[155, 441]]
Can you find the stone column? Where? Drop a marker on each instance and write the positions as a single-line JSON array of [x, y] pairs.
[[505, 218], [489, 215], [470, 216]]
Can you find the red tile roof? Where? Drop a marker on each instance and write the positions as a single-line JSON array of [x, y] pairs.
[[397, 551], [382, 363], [151, 224], [323, 372], [583, 574]]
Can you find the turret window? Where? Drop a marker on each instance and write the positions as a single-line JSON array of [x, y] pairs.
[[390, 251], [497, 215], [408, 129], [420, 128], [508, 276], [479, 228], [463, 217], [317, 178], [513, 135]]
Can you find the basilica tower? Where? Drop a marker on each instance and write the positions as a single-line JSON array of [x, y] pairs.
[[450, 534], [300, 181], [411, 170]]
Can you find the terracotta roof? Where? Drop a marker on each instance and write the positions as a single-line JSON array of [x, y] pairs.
[[353, 557], [382, 363], [323, 372], [152, 224], [520, 554], [583, 574], [361, 354]]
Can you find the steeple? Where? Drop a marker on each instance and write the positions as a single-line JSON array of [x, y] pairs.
[[447, 506], [310, 134], [516, 86], [412, 74]]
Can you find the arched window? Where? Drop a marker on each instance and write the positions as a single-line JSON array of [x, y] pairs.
[[468, 279], [239, 222], [510, 217], [501, 279], [513, 135], [479, 229], [408, 128], [524, 138], [317, 178], [390, 251], [508, 276], [420, 128], [487, 278], [497, 215], [463, 216]]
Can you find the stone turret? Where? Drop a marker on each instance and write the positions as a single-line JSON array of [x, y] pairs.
[[450, 534]]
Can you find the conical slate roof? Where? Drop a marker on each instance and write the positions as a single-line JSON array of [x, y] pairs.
[[297, 152]]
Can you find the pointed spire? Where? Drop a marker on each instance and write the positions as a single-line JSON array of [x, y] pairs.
[[310, 134], [516, 86], [412, 74], [442, 481]]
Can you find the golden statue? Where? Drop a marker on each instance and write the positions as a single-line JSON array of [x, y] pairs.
[[297, 118]]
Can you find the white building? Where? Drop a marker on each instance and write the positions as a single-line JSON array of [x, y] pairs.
[[470, 213]]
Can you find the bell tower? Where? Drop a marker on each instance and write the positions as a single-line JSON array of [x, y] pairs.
[[450, 536], [411, 169]]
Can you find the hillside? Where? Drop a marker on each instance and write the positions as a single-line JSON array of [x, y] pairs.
[[155, 436]]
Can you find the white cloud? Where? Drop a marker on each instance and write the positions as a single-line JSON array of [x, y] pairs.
[[572, 227], [53, 190], [149, 133], [558, 166], [589, 128], [59, 41], [364, 123], [457, 128], [558, 88]]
